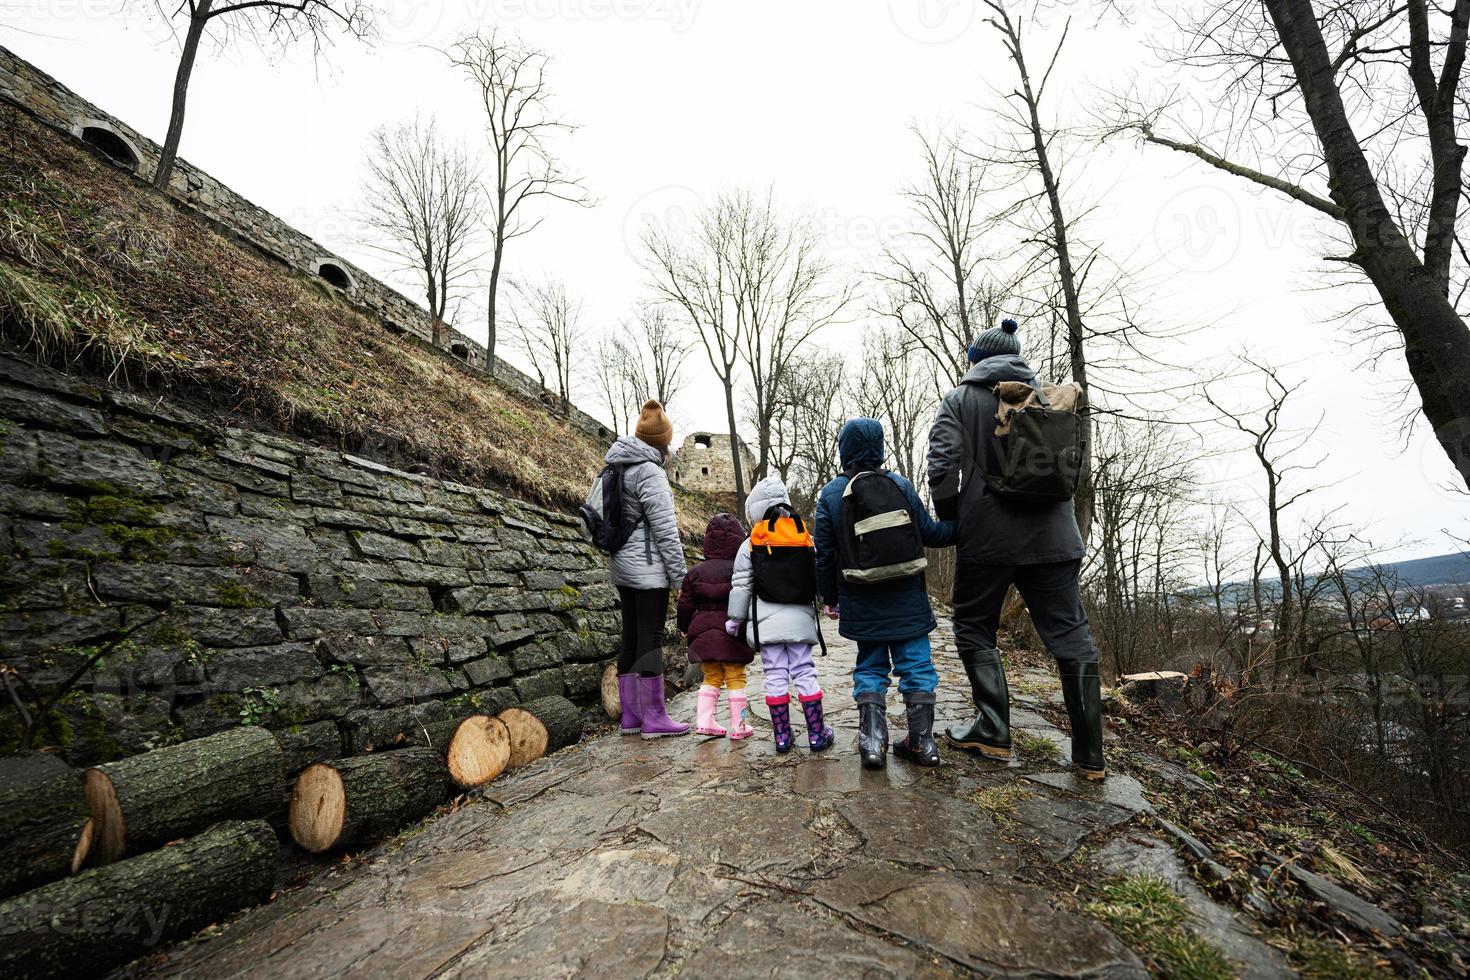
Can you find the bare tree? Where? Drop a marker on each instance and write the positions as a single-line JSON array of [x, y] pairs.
[[424, 200], [811, 406], [617, 374], [519, 125], [661, 350], [546, 322], [755, 290], [1277, 451], [894, 388], [265, 23], [1354, 113]]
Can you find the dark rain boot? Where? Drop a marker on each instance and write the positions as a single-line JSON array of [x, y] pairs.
[[780, 709], [990, 732], [1082, 691], [918, 745], [873, 729], [818, 733]]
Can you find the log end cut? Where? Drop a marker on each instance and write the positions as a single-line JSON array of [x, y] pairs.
[[109, 829], [528, 737], [318, 808], [480, 749], [612, 702]]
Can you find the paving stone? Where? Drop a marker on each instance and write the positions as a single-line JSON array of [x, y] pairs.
[[926, 829], [997, 928], [1226, 930]]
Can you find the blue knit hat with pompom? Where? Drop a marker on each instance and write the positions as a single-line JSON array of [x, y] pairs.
[[996, 340]]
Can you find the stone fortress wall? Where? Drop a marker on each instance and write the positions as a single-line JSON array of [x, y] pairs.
[[242, 578], [32, 90]]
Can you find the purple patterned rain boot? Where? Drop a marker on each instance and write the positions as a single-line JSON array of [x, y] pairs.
[[655, 720], [632, 721], [818, 734], [781, 721]]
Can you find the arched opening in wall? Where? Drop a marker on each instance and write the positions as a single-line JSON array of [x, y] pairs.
[[460, 351], [602, 433], [704, 471], [703, 442], [118, 151], [336, 275]]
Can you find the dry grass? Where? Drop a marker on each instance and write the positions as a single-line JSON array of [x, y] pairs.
[[100, 273]]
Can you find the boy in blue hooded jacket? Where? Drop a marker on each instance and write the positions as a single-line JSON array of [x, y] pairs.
[[891, 621]]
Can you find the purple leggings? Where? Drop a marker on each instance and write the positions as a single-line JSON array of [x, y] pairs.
[[788, 665]]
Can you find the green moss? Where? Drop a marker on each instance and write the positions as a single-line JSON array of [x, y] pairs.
[[235, 595], [1031, 744], [1147, 914]]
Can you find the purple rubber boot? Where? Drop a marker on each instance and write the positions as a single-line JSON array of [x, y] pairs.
[[818, 734], [655, 720], [780, 709], [631, 723]]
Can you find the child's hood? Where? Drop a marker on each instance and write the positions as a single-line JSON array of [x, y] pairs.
[[860, 444], [765, 495], [722, 536]]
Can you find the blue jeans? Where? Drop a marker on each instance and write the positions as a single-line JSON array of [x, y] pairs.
[[909, 659]]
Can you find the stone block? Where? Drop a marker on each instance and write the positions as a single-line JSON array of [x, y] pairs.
[[366, 650], [97, 465], [242, 667], [304, 744], [220, 627], [234, 474], [535, 657], [336, 589], [408, 598], [539, 685], [582, 679], [446, 649], [374, 545], [44, 411], [484, 672], [19, 454], [203, 586], [417, 573], [396, 685], [307, 489], [307, 623]]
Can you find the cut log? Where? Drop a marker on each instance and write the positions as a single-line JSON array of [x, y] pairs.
[[612, 702], [100, 919], [357, 801], [476, 749], [528, 736], [143, 801], [43, 815], [562, 719]]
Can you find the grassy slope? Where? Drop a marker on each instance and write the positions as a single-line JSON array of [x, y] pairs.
[[100, 273]]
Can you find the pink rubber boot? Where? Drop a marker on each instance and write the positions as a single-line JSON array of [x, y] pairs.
[[704, 716], [739, 727]]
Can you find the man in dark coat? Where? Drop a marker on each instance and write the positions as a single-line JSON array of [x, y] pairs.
[[999, 543], [701, 617], [891, 621]]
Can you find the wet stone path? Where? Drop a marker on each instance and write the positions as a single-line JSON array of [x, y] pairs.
[[705, 857]]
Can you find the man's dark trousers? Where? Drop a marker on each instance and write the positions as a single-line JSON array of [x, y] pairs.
[[1052, 596]]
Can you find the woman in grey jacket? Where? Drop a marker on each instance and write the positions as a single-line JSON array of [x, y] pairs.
[[644, 571]]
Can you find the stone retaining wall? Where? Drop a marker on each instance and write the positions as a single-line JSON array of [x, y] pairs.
[[324, 596], [26, 86]]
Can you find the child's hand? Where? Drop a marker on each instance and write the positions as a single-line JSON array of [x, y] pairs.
[[732, 626], [831, 611]]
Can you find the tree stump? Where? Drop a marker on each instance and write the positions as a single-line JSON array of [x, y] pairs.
[[561, 718], [612, 703], [100, 919], [357, 801], [143, 801], [43, 821]]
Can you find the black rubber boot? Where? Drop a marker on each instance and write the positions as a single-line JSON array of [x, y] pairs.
[[918, 746], [1082, 690], [873, 730], [990, 732]]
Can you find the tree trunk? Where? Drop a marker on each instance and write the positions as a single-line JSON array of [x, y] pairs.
[[734, 447], [562, 719], [42, 813], [359, 801], [1436, 340], [493, 293], [528, 736], [146, 800], [197, 20], [100, 919]]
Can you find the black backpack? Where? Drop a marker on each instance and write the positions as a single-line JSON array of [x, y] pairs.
[[783, 566], [602, 514], [879, 541], [1040, 459]]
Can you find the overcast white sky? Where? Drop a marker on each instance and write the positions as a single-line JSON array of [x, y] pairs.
[[679, 99]]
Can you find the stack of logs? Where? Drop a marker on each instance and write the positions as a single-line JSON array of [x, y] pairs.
[[149, 849]]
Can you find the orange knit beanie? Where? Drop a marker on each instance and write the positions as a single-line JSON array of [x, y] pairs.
[[654, 426]]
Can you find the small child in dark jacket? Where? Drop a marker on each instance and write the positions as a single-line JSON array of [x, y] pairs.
[[890, 620], [702, 606]]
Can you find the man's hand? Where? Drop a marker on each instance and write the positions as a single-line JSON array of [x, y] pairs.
[[831, 611]]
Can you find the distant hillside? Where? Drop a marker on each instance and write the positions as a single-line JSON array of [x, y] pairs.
[[1453, 569], [99, 273]]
